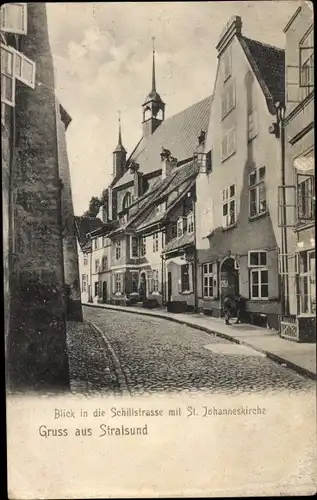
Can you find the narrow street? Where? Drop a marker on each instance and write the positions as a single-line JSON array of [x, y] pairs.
[[142, 355]]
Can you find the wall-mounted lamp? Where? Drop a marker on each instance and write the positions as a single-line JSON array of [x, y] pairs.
[[200, 162]]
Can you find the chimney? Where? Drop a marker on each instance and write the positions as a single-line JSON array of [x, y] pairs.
[[232, 28], [168, 162]]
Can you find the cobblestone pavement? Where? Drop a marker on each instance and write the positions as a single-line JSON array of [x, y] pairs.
[[90, 363], [156, 355]]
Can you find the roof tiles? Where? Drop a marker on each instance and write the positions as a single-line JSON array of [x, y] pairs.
[[178, 133]]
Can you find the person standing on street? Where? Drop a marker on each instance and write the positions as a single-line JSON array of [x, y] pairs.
[[227, 306], [239, 302]]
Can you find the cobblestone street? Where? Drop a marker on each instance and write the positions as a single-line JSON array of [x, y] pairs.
[[143, 355]]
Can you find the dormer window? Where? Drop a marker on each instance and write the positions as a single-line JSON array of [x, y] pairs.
[[180, 227], [123, 219], [127, 200]]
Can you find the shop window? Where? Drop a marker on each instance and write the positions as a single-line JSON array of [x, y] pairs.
[[307, 282]]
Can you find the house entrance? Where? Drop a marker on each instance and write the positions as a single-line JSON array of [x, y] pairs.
[[229, 279], [143, 286], [104, 291]]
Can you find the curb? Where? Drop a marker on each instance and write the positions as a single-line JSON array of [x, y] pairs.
[[274, 357]]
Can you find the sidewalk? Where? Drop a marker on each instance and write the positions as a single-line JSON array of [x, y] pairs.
[[297, 356]]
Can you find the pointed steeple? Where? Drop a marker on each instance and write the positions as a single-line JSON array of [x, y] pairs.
[[119, 155], [120, 146], [153, 106], [153, 68]]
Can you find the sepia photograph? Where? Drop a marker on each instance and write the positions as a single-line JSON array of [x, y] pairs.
[[158, 194]]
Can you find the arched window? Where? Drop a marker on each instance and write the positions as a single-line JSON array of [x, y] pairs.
[[127, 200]]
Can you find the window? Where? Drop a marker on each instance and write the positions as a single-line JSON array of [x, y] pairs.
[[155, 281], [134, 247], [14, 18], [229, 206], [252, 125], [174, 230], [228, 145], [105, 241], [155, 242], [24, 69], [227, 99], [305, 197], [118, 248], [134, 282], [127, 200], [257, 192], [119, 283], [104, 263], [307, 282], [85, 259], [259, 276], [143, 246], [7, 76], [180, 228], [96, 288], [84, 280], [227, 64], [97, 266], [306, 60], [185, 278], [209, 162], [190, 223], [208, 280], [95, 245]]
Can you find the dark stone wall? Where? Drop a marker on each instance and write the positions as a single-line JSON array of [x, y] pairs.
[[70, 255], [37, 352]]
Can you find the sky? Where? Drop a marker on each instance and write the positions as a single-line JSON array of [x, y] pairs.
[[103, 61]]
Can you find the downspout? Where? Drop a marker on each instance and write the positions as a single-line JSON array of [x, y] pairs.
[[195, 258], [285, 298]]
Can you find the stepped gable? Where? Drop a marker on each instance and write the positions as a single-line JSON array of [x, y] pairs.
[[178, 134], [268, 64]]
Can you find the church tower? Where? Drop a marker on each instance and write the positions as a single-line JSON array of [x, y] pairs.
[[119, 156], [153, 107]]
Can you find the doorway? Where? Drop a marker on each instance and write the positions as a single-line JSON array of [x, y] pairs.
[[169, 286], [104, 292], [143, 292], [229, 279]]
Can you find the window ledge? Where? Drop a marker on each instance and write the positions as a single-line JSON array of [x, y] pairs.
[[260, 299], [258, 216], [304, 225], [227, 228], [186, 292], [208, 298], [306, 315], [227, 157]]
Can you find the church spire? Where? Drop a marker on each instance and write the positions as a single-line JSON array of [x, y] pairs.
[[153, 106], [153, 67], [120, 146]]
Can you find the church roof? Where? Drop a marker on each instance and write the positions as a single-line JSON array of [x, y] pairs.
[[178, 133], [268, 64]]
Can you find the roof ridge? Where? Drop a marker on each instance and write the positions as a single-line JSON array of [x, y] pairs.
[[263, 43]]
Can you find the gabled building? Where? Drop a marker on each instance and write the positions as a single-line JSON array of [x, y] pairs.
[[297, 191], [237, 236], [142, 193]]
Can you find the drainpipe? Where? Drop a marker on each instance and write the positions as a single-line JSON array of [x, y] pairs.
[[280, 113], [195, 258]]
